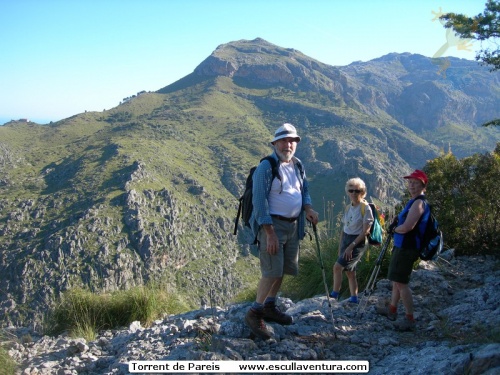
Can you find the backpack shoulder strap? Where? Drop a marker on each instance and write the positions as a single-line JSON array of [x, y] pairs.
[[421, 197], [274, 166], [426, 204], [364, 203], [301, 168], [427, 208]]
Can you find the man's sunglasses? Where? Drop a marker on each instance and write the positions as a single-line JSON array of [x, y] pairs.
[[354, 191]]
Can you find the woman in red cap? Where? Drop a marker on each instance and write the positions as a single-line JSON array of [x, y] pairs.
[[406, 250]]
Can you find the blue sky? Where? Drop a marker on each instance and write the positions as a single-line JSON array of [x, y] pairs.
[[63, 57]]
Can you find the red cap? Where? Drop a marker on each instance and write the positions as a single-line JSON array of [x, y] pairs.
[[419, 175]]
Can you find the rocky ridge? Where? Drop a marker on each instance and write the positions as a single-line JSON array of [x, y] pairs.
[[456, 304]]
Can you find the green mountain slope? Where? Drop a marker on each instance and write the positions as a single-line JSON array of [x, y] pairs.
[[147, 191]]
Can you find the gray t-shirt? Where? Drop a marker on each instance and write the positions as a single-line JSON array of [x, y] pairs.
[[353, 221]]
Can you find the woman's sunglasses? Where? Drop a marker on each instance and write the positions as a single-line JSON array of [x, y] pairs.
[[354, 191]]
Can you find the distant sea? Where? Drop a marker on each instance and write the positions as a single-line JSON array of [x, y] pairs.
[[4, 120]]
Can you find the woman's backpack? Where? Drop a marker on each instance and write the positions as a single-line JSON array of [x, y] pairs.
[[376, 236], [431, 242], [430, 238]]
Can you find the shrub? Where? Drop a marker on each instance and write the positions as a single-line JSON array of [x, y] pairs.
[[465, 196], [84, 313], [7, 365]]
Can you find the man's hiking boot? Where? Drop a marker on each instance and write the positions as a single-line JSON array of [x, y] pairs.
[[386, 311], [405, 325], [254, 320], [273, 314]]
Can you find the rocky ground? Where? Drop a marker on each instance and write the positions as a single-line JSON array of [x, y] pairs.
[[457, 309]]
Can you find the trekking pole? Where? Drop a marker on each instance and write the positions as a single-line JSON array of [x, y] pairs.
[[323, 272], [370, 286]]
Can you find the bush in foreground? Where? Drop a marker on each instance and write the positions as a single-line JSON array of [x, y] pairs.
[[83, 313], [7, 364]]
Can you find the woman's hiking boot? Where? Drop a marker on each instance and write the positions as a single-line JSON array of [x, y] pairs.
[[254, 320], [405, 325], [387, 312], [273, 314]]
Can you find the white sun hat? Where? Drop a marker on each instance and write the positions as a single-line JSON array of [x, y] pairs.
[[286, 131]]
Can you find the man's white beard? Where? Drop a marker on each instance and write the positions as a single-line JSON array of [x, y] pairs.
[[285, 158]]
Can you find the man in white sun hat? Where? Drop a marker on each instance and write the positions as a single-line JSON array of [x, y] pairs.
[[280, 208]]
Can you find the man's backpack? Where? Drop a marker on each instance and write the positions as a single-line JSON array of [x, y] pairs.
[[245, 207], [431, 241], [375, 236]]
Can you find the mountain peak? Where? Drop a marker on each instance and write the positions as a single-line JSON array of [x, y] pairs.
[[252, 48], [259, 62]]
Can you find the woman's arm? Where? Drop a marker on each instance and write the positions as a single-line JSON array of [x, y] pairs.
[[416, 211]]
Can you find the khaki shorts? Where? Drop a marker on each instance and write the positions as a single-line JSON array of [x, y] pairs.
[[286, 261]]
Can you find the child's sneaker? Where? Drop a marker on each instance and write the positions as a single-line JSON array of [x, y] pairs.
[[334, 295], [353, 299]]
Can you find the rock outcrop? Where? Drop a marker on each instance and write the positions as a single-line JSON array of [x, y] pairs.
[[457, 309]]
